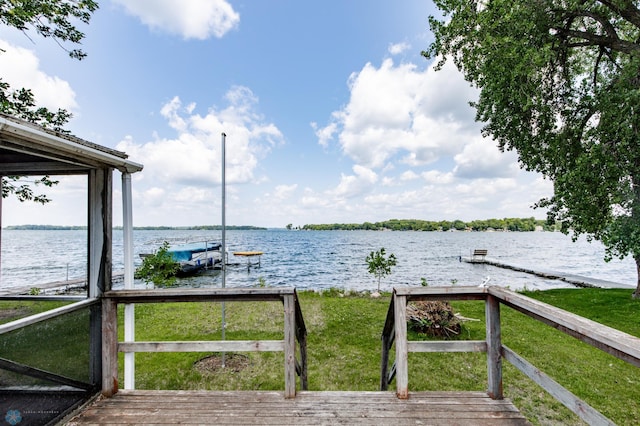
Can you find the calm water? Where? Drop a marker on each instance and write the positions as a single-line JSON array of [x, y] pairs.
[[324, 259]]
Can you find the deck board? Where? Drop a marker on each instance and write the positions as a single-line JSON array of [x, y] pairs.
[[310, 408]]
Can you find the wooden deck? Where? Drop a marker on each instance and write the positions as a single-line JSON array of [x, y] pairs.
[[307, 408]]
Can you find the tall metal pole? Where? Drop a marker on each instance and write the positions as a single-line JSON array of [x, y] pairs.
[[224, 225], [224, 238]]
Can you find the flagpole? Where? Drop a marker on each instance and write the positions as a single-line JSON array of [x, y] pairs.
[[224, 237]]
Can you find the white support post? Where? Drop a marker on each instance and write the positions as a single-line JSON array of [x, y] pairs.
[[129, 313]]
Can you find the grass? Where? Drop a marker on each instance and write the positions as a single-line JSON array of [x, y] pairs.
[[59, 345], [13, 310], [344, 350]]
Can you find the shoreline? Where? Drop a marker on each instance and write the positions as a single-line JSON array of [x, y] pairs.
[[579, 281], [55, 287]]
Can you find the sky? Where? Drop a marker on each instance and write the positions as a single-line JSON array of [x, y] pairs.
[[331, 115]]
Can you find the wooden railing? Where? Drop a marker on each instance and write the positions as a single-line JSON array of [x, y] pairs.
[[294, 330], [607, 339]]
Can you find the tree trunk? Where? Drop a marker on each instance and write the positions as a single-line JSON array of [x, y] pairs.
[[636, 294], [635, 210]]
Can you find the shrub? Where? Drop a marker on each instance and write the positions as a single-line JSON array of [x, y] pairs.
[[159, 268]]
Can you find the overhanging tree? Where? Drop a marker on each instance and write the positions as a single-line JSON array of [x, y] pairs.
[[49, 19], [559, 83]]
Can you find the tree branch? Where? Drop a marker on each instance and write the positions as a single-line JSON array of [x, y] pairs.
[[628, 11], [613, 43], [610, 40]]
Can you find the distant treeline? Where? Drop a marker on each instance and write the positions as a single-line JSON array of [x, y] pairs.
[[196, 228], [143, 228], [45, 228], [506, 224]]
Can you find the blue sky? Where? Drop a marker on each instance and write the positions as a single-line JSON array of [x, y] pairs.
[[331, 115]]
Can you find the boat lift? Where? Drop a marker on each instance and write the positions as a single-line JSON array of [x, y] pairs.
[[249, 255]]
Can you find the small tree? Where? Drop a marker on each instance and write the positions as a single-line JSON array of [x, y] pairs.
[[379, 265], [159, 268]]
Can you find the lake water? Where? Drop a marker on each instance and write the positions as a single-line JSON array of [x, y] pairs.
[[325, 259]]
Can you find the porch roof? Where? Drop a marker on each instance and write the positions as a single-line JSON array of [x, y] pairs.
[[28, 149]]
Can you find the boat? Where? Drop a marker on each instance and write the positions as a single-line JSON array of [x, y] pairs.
[[196, 256]]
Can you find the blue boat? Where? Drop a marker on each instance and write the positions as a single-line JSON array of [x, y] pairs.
[[196, 256]]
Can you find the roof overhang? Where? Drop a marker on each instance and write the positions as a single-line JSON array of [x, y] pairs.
[[28, 149]]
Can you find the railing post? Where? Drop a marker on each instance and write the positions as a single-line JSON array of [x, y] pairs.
[[384, 363], [289, 346], [388, 335], [109, 347], [402, 359], [494, 345], [301, 335]]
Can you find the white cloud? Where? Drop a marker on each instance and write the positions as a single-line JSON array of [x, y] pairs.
[[197, 19], [183, 172], [312, 200], [444, 95], [351, 186], [399, 113], [401, 118], [388, 181], [482, 158], [324, 134], [21, 68], [153, 197], [409, 175], [437, 177], [397, 48], [283, 192]]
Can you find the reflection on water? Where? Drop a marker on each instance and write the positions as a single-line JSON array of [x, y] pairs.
[[324, 259]]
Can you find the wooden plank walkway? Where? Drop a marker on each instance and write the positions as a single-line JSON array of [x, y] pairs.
[[307, 408], [576, 280]]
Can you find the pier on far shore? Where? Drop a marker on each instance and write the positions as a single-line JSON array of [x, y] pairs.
[[577, 280]]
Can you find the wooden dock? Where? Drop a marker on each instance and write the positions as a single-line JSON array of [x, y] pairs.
[[577, 280], [307, 408]]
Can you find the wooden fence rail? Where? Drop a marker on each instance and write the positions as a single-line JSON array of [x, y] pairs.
[[294, 330], [607, 339]]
